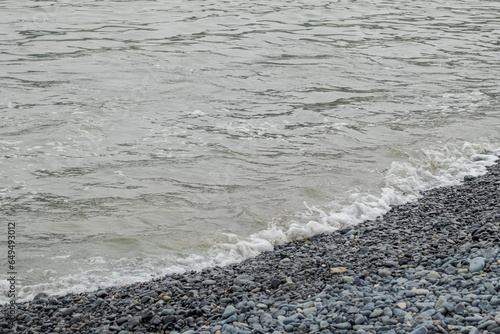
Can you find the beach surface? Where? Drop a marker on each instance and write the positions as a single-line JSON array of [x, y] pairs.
[[428, 266]]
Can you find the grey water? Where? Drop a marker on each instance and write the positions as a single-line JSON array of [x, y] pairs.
[[139, 138]]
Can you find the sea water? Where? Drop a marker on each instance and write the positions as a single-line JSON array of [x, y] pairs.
[[141, 138]]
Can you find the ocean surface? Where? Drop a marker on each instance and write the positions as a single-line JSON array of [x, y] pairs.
[[141, 138]]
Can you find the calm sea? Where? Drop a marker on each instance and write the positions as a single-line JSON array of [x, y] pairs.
[[140, 138]]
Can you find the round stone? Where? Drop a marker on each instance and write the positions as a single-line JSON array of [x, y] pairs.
[[476, 264]]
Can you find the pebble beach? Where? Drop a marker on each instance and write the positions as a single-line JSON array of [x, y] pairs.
[[428, 266]]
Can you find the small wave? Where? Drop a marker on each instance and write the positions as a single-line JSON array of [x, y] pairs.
[[403, 181]]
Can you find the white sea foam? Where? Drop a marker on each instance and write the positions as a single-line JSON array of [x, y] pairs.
[[404, 181]]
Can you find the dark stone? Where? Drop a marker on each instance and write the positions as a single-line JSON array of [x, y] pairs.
[[101, 294]]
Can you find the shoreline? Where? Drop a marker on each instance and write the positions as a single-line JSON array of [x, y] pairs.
[[429, 266]]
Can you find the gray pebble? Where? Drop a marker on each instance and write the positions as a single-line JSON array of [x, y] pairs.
[[229, 311], [476, 264]]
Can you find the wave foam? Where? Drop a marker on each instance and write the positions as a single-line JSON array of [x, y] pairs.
[[403, 182]]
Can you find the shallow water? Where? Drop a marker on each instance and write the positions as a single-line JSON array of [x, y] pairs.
[[141, 138]]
